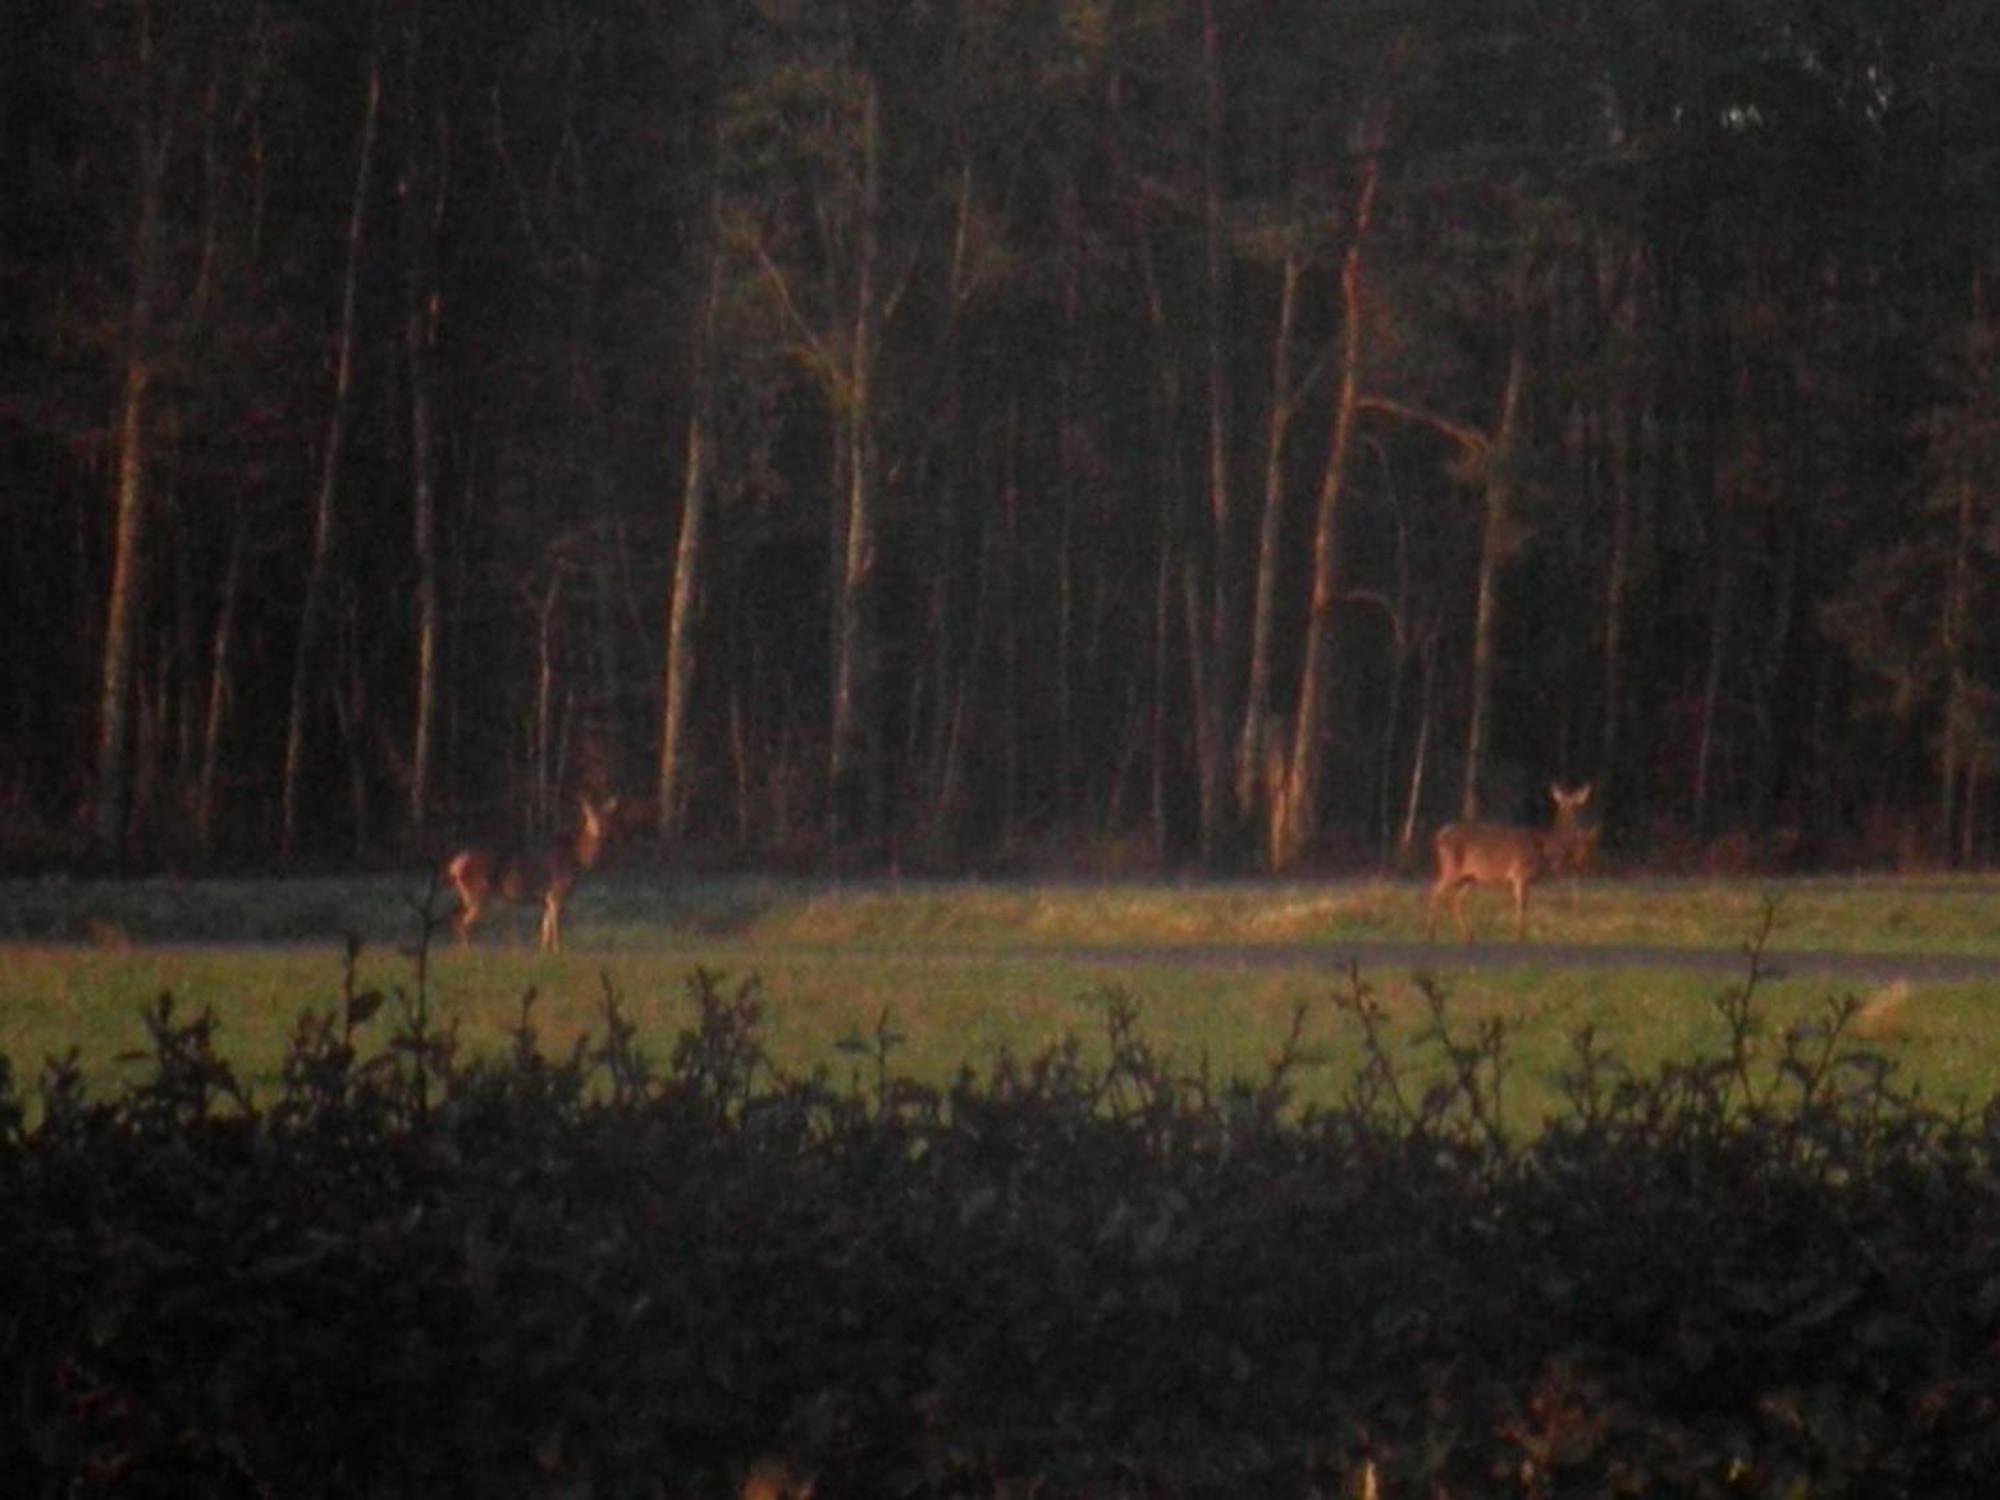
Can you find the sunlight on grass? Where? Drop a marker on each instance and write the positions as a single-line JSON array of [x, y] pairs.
[[1217, 1021], [968, 971]]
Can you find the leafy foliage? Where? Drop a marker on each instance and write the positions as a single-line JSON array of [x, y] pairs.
[[1768, 1271]]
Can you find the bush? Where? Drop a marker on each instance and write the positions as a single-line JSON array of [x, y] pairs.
[[597, 1274]]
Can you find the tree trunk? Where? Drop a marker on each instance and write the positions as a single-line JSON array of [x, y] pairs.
[[1406, 839], [1622, 415], [1398, 610], [305, 661], [1720, 599], [218, 687], [1270, 533], [1203, 688], [114, 789], [351, 713], [186, 677], [1957, 626], [121, 627], [1617, 586], [421, 310], [957, 689], [1214, 666], [853, 789], [680, 652], [1961, 715], [1298, 814], [1163, 609], [1166, 479], [1007, 571], [1497, 542], [1072, 781], [543, 749]]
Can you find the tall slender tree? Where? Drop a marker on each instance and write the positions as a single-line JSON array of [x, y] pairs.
[[1296, 818], [306, 662], [697, 483], [132, 501], [421, 192]]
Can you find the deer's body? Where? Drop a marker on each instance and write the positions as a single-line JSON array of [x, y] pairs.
[[543, 877], [1471, 854]]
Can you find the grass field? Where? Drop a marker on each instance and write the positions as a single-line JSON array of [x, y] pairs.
[[966, 970]]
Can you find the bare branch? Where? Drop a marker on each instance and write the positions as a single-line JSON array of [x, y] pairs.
[[1475, 443]]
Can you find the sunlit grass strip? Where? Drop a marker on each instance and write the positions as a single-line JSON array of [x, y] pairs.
[[949, 1011]]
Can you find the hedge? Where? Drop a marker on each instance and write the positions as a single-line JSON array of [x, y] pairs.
[[1765, 1272]]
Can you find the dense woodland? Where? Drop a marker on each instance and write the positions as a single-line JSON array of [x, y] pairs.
[[1235, 434]]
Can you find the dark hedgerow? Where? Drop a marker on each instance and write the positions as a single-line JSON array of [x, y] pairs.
[[1766, 1272]]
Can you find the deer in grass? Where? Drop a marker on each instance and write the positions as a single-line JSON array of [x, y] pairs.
[[1500, 854], [536, 876]]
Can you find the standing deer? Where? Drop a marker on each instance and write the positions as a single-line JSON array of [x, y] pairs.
[[1498, 853], [545, 875]]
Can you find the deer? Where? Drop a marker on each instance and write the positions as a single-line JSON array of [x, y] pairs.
[[1499, 853], [545, 876]]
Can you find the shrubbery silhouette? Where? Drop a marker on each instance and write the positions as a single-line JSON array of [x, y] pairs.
[[1096, 1268]]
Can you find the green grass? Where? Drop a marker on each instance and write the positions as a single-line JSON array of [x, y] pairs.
[[969, 970]]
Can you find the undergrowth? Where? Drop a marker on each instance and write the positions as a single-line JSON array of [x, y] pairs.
[[611, 1271]]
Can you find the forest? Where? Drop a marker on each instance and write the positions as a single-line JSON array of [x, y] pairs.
[[998, 434]]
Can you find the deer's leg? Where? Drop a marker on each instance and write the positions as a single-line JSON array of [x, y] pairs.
[[551, 923], [1458, 910], [1520, 910], [469, 883], [468, 913]]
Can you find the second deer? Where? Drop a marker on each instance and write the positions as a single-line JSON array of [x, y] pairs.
[[1500, 854], [543, 877]]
